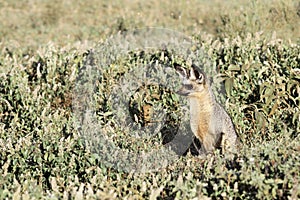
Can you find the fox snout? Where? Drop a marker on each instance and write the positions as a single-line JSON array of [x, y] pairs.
[[182, 92], [185, 90]]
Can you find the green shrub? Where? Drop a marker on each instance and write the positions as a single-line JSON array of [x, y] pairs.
[[42, 153]]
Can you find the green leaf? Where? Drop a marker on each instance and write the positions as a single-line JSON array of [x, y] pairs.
[[228, 86]]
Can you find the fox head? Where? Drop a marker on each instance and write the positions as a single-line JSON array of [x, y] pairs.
[[194, 81]]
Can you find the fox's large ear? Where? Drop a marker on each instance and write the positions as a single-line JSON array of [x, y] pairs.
[[197, 75], [181, 71], [193, 74], [200, 79]]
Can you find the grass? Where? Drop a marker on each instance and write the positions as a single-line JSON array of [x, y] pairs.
[[33, 23], [253, 52]]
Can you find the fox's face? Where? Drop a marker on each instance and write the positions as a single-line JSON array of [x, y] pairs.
[[193, 81]]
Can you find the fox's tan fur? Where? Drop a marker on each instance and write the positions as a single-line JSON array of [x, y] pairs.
[[209, 121]]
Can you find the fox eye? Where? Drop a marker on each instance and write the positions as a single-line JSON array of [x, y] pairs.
[[189, 87]]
